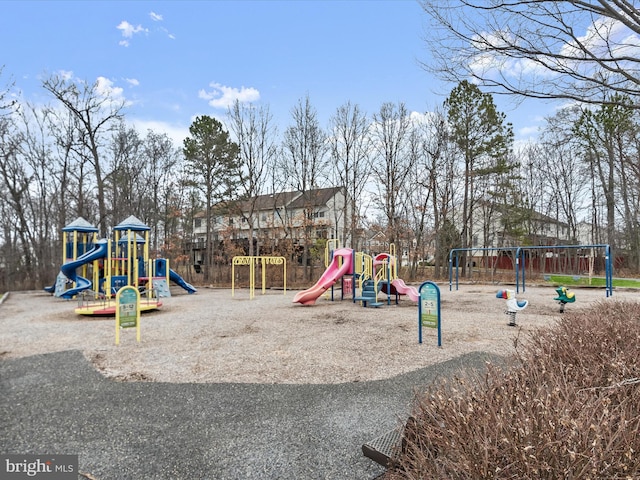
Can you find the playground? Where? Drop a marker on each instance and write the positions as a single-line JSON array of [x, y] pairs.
[[216, 337], [251, 387]]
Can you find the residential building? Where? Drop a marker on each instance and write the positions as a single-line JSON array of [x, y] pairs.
[[276, 222]]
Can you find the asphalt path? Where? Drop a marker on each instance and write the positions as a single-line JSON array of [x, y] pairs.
[[58, 404]]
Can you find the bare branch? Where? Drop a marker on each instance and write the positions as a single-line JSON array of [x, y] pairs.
[[538, 48]]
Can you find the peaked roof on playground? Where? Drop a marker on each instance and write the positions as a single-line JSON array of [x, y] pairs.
[[80, 225], [132, 223]]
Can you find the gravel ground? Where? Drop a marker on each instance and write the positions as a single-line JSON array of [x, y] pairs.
[[225, 387]]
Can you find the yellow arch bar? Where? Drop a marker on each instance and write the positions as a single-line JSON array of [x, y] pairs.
[[252, 261]]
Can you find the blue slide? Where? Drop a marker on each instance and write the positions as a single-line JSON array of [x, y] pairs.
[[98, 251], [174, 277]]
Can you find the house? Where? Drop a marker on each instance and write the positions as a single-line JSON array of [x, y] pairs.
[[498, 226], [275, 222]]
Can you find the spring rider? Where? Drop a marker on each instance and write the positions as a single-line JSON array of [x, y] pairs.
[[564, 296], [513, 305]]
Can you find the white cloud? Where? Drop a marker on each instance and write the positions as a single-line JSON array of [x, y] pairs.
[[489, 61], [222, 96], [65, 75], [177, 133], [156, 17], [134, 82], [128, 31], [107, 89], [531, 131], [421, 118]]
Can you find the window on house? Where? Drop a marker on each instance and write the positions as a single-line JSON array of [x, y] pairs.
[[230, 221], [198, 222], [264, 217]]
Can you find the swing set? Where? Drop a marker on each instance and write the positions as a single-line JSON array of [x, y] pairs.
[[523, 256]]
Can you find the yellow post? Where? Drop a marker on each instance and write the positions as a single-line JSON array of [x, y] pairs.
[[129, 263], [332, 242], [64, 247], [393, 266], [284, 275], [252, 277]]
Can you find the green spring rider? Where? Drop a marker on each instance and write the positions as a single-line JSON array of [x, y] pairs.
[[564, 296]]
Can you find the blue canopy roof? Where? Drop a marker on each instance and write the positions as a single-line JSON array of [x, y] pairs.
[[133, 224], [80, 225]]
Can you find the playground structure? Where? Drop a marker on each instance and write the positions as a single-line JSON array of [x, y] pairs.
[[564, 296], [513, 305], [363, 276], [93, 271], [252, 261], [522, 256]]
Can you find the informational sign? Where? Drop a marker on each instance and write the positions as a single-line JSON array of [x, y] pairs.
[[127, 310], [429, 309]]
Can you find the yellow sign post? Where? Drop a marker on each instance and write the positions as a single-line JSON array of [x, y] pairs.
[[127, 310]]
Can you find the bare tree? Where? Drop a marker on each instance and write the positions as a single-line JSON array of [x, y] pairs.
[[432, 186], [6, 103], [565, 180], [351, 158], [64, 164], [601, 133], [541, 49], [255, 134], [15, 182], [392, 165], [304, 165], [96, 110], [125, 187], [163, 175], [40, 203]]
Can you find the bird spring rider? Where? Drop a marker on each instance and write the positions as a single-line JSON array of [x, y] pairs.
[[564, 296], [513, 305]]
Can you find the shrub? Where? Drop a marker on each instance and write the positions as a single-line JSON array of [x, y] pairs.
[[568, 406]]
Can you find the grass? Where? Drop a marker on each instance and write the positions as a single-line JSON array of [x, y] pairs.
[[579, 280]]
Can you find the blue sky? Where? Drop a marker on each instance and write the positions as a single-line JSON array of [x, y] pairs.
[[174, 60]]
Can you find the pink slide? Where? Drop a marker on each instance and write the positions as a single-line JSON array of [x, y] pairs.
[[404, 289], [333, 272], [398, 284]]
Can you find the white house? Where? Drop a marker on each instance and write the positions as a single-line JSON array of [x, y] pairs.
[[279, 217]]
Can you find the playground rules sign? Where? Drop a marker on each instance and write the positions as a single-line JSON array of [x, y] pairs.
[[429, 309], [127, 310]]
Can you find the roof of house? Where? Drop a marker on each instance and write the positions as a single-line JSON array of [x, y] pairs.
[[269, 201], [292, 200], [315, 198]]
